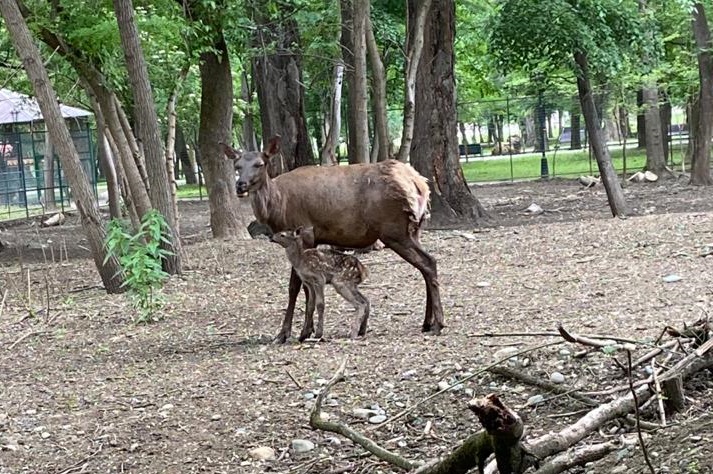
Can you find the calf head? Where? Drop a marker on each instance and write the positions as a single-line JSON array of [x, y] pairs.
[[251, 166], [303, 237]]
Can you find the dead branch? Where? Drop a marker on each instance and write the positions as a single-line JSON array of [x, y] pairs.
[[553, 334], [654, 352], [638, 418], [316, 422], [464, 379], [659, 394], [577, 457], [2, 303], [593, 342], [537, 382]]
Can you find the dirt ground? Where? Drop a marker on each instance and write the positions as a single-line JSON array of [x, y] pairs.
[[83, 389]]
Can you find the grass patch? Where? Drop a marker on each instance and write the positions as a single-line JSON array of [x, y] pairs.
[[191, 191], [564, 163]]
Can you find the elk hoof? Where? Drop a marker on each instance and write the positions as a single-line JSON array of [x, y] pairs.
[[434, 330]]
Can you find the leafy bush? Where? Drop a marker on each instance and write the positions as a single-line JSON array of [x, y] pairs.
[[140, 257]]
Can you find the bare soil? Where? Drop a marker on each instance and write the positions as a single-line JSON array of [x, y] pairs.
[[84, 389]]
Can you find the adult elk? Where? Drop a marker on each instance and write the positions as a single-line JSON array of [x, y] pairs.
[[348, 206]]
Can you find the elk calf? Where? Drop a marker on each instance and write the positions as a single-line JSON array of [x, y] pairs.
[[316, 268]]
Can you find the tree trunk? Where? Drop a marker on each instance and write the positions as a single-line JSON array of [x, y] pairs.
[[216, 120], [623, 115], [599, 146], [640, 119], [576, 140], [48, 198], [347, 46], [171, 143], [159, 191], [182, 152], [700, 166], [109, 271], [655, 158], [417, 16], [665, 117], [249, 136], [106, 162], [328, 154], [358, 89], [280, 90], [378, 87], [434, 152]]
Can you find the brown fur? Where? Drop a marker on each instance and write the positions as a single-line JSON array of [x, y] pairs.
[[316, 268], [348, 206]]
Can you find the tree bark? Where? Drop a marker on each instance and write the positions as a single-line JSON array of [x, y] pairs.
[[599, 146], [640, 119], [149, 134], [182, 151], [328, 154], [216, 120], [359, 94], [277, 71], [347, 46], [106, 162], [378, 88], [416, 24], [109, 271], [655, 158], [700, 166], [434, 152], [171, 143], [576, 113]]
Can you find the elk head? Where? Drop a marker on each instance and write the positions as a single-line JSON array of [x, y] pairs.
[[251, 166], [303, 236]]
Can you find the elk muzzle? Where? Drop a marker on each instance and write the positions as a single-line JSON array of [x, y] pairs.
[[241, 187]]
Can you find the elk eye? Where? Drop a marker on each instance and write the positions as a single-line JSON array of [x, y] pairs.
[[259, 165]]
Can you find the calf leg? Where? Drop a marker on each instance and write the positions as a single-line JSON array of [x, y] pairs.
[[351, 293], [294, 291], [319, 301], [308, 326], [411, 251]]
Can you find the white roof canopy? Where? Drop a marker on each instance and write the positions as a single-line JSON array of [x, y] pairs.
[[20, 108]]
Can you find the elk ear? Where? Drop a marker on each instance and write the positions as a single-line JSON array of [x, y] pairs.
[[273, 146], [230, 152]]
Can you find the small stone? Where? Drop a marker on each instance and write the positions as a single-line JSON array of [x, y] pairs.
[[409, 374], [619, 469], [321, 381], [302, 445], [443, 385], [671, 278], [332, 402], [216, 417], [535, 399], [695, 439], [134, 447], [334, 440], [166, 407], [376, 419], [525, 362], [402, 444], [363, 413], [469, 391], [309, 395], [263, 453], [505, 352], [556, 377], [565, 352], [482, 284], [45, 435], [30, 412]]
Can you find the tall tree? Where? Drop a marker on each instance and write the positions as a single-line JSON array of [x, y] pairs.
[[109, 271], [434, 150], [216, 120], [328, 153], [654, 140], [700, 167], [382, 141], [149, 134], [417, 15], [277, 72]]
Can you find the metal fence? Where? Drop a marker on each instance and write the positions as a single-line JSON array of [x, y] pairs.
[[29, 184]]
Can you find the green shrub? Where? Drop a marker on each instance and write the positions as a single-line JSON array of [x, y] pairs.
[[140, 256]]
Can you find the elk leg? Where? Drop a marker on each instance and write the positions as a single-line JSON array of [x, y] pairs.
[[411, 251], [319, 296], [294, 291], [308, 326]]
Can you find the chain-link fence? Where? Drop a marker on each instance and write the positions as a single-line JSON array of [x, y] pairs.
[[30, 184]]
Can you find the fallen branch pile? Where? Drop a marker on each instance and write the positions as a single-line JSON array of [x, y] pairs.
[[688, 352]]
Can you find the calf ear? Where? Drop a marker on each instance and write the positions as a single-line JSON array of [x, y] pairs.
[[273, 146], [307, 236], [230, 152]]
